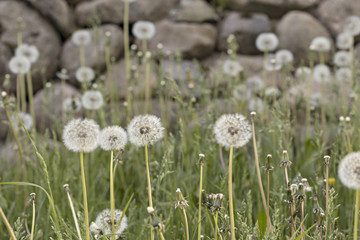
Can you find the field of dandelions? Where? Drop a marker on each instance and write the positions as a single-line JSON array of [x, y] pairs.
[[207, 161]]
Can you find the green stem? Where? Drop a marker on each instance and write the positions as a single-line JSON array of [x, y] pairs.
[[144, 46], [149, 184], [216, 225], [199, 214], [33, 221], [84, 196], [186, 225], [147, 84], [232, 221], [327, 200], [82, 56], [74, 215], [112, 199], [110, 79], [31, 93], [356, 214], [23, 93], [7, 224]]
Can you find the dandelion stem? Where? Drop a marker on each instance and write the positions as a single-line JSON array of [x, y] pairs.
[[149, 184], [147, 83], [356, 214], [84, 196], [200, 193], [186, 225], [31, 93], [23, 93], [7, 224], [216, 225], [82, 56], [327, 199], [110, 78], [33, 218], [161, 234], [258, 173], [73, 211], [232, 222], [268, 190], [112, 199]]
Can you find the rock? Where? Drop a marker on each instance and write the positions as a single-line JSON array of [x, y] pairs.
[[112, 11], [137, 85], [58, 12], [190, 39], [333, 13], [273, 8], [296, 30], [245, 29], [36, 31], [75, 2], [49, 108], [94, 54], [194, 11]]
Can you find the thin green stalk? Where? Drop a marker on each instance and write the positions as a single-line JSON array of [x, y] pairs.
[[216, 225], [186, 225], [110, 79], [161, 234], [18, 94], [86, 211], [144, 46], [258, 173], [31, 93], [66, 186], [7, 225], [112, 199], [147, 83], [200, 190], [326, 198], [23, 93], [232, 221], [356, 214], [149, 184], [82, 56], [33, 217], [127, 59]]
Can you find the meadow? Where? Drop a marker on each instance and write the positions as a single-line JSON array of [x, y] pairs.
[[271, 139]]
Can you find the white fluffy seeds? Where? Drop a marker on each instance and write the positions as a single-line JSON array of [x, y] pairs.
[[19, 65], [349, 170], [28, 51], [103, 225], [145, 129], [267, 42], [84, 74], [232, 67], [81, 37], [113, 138], [143, 30], [92, 100]]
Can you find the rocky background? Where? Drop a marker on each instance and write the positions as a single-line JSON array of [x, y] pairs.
[[196, 28]]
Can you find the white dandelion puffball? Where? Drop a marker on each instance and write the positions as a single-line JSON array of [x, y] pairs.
[[343, 74], [81, 37], [271, 64], [342, 59], [303, 72], [84, 74], [255, 84], [92, 100], [271, 92], [349, 170], [320, 44], [103, 225], [267, 42], [143, 30], [113, 138], [145, 129], [256, 105], [344, 41], [28, 51], [19, 65], [321, 73], [71, 105], [352, 25], [232, 130], [25, 118], [232, 67], [241, 92], [62, 75], [284, 56], [81, 135]]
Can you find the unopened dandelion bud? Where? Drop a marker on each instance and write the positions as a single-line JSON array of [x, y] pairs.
[[3, 94], [331, 182], [293, 188], [133, 47], [180, 200], [341, 118], [150, 210], [48, 85], [347, 119], [201, 158], [326, 160]]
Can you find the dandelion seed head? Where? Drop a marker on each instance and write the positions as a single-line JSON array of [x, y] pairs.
[[352, 25], [145, 129], [63, 74], [19, 65], [267, 42], [303, 72], [232, 67], [342, 58], [92, 100], [25, 118], [81, 135], [143, 30], [270, 92], [103, 225], [241, 92], [349, 170], [284, 56], [71, 105], [321, 73], [84, 74], [113, 138], [232, 130], [271, 64], [28, 51], [81, 37], [343, 74], [255, 84], [344, 41], [320, 44], [256, 104]]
